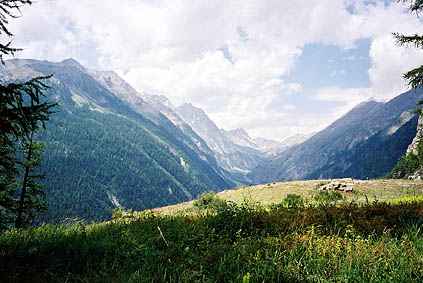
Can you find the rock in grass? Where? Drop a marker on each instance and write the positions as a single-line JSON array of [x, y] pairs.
[[342, 187]]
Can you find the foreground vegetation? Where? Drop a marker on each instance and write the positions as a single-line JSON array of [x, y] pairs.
[[295, 240]]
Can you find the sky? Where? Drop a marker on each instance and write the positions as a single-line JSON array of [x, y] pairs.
[[275, 68]]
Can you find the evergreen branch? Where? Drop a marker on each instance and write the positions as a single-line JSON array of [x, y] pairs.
[[415, 6], [415, 40], [418, 111], [6, 10], [414, 77]]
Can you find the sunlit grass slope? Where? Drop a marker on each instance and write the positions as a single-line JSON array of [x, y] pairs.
[[273, 193], [282, 240]]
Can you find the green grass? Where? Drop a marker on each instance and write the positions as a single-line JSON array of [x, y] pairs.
[[274, 193], [376, 242]]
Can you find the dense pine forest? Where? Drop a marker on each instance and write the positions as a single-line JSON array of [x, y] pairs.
[[106, 155]]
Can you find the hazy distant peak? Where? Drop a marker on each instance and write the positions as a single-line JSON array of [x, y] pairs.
[[108, 73], [188, 107], [113, 82], [111, 79], [71, 62], [158, 99], [238, 131]]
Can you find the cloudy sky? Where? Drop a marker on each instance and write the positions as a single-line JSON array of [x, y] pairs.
[[275, 68]]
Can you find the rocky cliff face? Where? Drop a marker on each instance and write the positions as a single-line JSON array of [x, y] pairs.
[[412, 148], [236, 159]]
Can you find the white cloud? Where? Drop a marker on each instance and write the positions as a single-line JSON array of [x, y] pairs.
[[289, 107], [347, 98], [389, 62], [174, 48]]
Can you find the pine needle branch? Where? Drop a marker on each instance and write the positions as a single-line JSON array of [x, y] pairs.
[[414, 77], [415, 40], [415, 6]]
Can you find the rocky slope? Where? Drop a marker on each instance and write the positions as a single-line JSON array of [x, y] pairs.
[[236, 159]]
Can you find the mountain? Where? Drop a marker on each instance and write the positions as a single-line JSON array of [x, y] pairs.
[[234, 150], [266, 146], [107, 147], [274, 148], [364, 143], [160, 111], [236, 158], [240, 137]]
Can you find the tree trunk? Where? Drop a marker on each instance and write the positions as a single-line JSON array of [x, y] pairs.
[[19, 219]]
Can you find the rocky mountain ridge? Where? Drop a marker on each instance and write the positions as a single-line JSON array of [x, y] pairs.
[[364, 143], [234, 150]]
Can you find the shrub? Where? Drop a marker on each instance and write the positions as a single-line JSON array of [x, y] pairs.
[[121, 213], [405, 167], [293, 200], [209, 201], [328, 197]]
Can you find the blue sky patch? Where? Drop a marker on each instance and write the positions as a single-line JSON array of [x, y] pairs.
[[321, 66]]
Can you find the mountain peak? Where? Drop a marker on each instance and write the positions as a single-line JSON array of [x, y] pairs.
[[241, 131], [238, 132], [71, 62], [159, 99], [188, 107]]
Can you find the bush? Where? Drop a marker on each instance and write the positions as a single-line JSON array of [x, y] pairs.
[[408, 164], [328, 197], [209, 201], [293, 200], [405, 167]]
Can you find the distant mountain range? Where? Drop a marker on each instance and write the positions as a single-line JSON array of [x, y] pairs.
[[234, 150], [110, 146], [364, 143]]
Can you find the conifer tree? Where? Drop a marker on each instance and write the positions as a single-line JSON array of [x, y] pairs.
[[23, 108], [411, 162], [413, 77]]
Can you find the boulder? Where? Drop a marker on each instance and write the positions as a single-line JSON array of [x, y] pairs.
[[418, 175], [348, 189], [335, 185]]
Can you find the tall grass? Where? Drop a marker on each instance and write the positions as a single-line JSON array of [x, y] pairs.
[[238, 243]]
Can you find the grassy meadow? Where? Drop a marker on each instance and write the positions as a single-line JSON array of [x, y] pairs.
[[273, 193], [283, 232]]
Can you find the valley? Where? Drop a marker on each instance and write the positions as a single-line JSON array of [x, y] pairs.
[[110, 146]]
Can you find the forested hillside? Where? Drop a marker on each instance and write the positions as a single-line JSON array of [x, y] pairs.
[[100, 154]]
